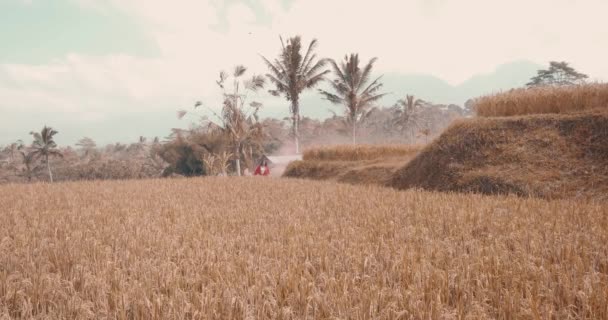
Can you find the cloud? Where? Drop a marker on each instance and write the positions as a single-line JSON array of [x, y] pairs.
[[447, 38]]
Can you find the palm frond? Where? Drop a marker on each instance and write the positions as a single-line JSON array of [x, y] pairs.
[[316, 69], [374, 86], [338, 71], [369, 99], [271, 66], [256, 83], [239, 71], [333, 98], [314, 80], [308, 58], [365, 75], [281, 86]]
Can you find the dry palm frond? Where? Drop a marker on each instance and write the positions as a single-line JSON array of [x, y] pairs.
[[211, 164], [223, 161]]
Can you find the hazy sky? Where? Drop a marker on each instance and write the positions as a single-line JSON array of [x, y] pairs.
[[116, 69]]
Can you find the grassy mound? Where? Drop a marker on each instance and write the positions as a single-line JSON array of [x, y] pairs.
[[548, 156], [360, 152], [352, 164], [544, 100], [377, 172]]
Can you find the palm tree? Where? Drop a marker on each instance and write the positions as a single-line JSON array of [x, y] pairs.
[[353, 90], [408, 114], [44, 146], [292, 73], [29, 162], [87, 145], [13, 149]]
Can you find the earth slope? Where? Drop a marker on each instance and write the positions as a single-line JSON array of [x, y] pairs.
[[548, 156]]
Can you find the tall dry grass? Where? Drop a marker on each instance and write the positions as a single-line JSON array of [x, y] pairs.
[[360, 152], [190, 249], [542, 100]]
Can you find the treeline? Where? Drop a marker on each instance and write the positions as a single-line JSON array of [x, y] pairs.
[[205, 151], [231, 140]]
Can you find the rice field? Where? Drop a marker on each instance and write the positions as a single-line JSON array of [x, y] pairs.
[[360, 152], [259, 248], [544, 100]]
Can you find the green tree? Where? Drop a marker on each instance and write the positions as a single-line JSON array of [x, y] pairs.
[[353, 89], [29, 163], [292, 73], [558, 74], [87, 145], [45, 147], [408, 116], [12, 149]]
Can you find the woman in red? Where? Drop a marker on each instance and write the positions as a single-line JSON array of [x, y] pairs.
[[262, 169]]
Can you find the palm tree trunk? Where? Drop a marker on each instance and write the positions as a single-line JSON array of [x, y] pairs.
[[48, 166], [238, 160], [354, 132], [251, 165], [295, 134], [296, 123], [413, 139]]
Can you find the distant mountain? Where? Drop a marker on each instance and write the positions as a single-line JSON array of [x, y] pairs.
[[507, 76], [433, 89], [160, 122]]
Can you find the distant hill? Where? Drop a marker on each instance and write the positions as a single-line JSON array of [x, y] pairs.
[[433, 89]]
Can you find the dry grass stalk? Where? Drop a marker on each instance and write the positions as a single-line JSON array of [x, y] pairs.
[[210, 162], [543, 100], [360, 152], [185, 249], [223, 162]]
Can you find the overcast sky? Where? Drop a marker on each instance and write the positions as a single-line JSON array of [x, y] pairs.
[[101, 66]]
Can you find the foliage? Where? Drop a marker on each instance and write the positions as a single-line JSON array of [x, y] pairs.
[[409, 116], [45, 147], [558, 74], [238, 121], [183, 151], [352, 90], [292, 73]]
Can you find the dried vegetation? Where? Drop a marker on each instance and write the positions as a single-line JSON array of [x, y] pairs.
[[190, 249], [548, 156], [360, 152], [543, 100]]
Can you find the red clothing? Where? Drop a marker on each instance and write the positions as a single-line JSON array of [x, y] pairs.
[[262, 171]]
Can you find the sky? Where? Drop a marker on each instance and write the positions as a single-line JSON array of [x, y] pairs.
[[117, 69]]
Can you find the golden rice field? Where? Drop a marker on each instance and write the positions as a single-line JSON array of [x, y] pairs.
[[360, 152], [258, 248], [543, 100]]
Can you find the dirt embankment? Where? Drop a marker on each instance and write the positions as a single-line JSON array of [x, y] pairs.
[[352, 164], [548, 156]]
